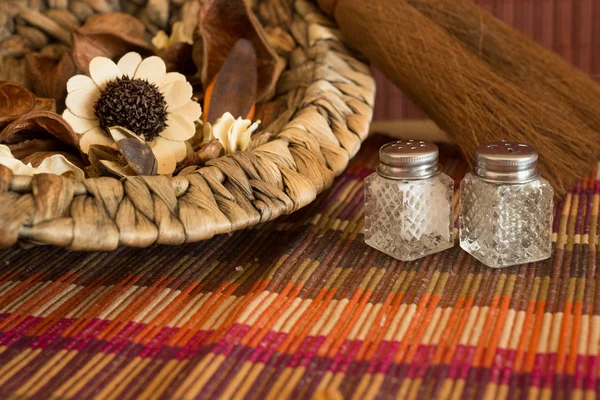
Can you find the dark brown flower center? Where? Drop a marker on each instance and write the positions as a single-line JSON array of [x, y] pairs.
[[134, 104]]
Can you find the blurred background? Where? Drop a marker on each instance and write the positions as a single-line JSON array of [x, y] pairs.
[[569, 27]]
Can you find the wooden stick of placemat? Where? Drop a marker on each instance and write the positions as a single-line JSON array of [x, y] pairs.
[[464, 95]]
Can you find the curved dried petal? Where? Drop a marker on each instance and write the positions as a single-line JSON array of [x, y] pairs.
[[59, 165], [179, 149], [94, 136], [178, 95], [191, 110], [80, 82], [104, 70], [220, 129], [80, 125], [178, 128], [164, 157], [129, 63], [152, 69], [81, 102], [171, 78]]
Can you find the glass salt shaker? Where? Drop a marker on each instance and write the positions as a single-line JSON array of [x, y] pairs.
[[506, 207], [408, 202]]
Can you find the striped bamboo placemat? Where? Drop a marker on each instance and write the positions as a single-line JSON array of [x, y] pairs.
[[302, 308]]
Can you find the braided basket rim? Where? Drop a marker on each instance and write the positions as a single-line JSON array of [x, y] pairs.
[[331, 93]]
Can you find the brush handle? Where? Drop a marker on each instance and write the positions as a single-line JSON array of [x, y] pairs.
[[415, 129]]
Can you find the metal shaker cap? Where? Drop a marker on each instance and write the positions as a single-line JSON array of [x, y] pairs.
[[506, 162], [408, 159]]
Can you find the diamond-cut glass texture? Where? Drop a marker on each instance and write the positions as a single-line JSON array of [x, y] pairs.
[[506, 224], [409, 219]]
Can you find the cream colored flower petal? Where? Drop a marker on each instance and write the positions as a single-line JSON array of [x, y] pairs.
[[5, 151], [80, 82], [165, 158], [190, 110], [103, 70], [169, 80], [129, 63], [178, 95], [58, 164], [80, 125], [178, 128], [81, 102], [152, 69], [207, 132], [160, 40], [94, 136], [17, 167], [235, 131], [178, 34], [179, 149], [220, 129], [246, 137]]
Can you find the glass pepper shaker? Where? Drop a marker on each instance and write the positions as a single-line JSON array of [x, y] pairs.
[[506, 207], [408, 202]]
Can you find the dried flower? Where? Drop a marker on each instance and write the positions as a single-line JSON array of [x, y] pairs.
[[56, 164], [138, 95], [234, 134]]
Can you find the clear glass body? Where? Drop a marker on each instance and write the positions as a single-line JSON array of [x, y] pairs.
[[409, 219], [506, 224]]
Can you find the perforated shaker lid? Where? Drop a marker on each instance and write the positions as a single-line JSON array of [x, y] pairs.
[[408, 159], [506, 162]]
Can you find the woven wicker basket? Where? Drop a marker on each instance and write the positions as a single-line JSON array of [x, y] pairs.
[[329, 91]]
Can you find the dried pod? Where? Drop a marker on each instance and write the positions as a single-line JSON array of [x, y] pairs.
[[108, 35], [24, 149], [35, 159], [42, 104], [136, 152], [108, 161], [234, 89], [15, 101], [222, 23], [32, 124], [206, 152], [48, 77]]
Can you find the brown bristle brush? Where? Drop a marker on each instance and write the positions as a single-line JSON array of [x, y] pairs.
[[543, 74], [463, 94]]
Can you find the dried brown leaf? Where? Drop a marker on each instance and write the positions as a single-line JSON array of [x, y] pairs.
[[222, 23], [269, 111], [108, 35], [15, 101], [48, 77], [234, 89]]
